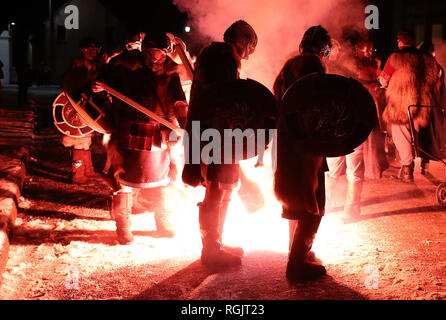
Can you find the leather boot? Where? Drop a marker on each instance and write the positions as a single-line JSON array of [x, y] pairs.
[[406, 173], [78, 166], [89, 168], [311, 256], [299, 269], [213, 255], [237, 251], [352, 206], [121, 206], [92, 175]]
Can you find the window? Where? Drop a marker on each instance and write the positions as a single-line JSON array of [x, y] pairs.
[[437, 33]]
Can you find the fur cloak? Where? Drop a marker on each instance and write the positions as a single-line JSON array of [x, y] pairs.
[[416, 80]]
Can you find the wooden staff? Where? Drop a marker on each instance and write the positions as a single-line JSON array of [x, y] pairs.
[[139, 107], [187, 64]]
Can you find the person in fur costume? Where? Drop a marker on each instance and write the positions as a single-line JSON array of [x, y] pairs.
[[299, 181], [411, 78], [141, 157], [217, 63]]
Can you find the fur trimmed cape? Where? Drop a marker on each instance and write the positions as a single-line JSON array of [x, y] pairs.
[[416, 80]]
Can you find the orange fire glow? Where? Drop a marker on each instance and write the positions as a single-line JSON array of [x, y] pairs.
[[263, 230]]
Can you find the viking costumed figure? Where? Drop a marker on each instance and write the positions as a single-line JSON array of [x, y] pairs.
[[352, 164], [133, 41], [368, 159], [141, 145], [218, 63], [299, 177], [368, 68], [76, 82], [410, 77]]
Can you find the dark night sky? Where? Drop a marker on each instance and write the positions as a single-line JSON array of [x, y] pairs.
[[162, 15], [28, 16], [153, 15], [148, 15]]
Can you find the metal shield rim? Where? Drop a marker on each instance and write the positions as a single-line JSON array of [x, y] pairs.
[[70, 130], [100, 124]]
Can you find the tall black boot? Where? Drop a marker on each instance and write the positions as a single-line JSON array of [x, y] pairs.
[[406, 173], [121, 206], [311, 256], [213, 255], [89, 168], [299, 269], [222, 218], [352, 206]]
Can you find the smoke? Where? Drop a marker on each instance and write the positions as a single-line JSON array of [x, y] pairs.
[[279, 25]]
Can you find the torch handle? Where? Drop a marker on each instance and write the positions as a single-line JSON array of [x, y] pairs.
[[139, 107]]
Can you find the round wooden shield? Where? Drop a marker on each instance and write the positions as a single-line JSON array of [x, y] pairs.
[[78, 119], [67, 120], [242, 112], [91, 114], [329, 115]]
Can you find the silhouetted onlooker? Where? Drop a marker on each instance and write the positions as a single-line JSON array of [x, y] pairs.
[[428, 137], [24, 81]]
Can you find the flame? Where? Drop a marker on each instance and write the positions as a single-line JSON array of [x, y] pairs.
[[261, 230], [267, 230], [264, 230]]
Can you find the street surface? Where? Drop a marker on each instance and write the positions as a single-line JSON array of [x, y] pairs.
[[64, 242]]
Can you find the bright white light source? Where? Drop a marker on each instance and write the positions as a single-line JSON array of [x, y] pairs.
[[187, 29], [12, 23]]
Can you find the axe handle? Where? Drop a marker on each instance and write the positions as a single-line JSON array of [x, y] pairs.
[[189, 69], [139, 107], [93, 104]]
